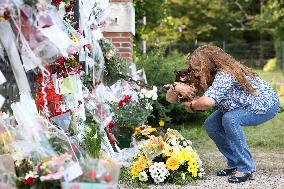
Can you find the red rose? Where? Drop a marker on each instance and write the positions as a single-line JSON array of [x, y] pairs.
[[127, 99], [57, 2], [60, 60], [68, 8], [110, 124], [120, 103], [6, 15], [29, 181]]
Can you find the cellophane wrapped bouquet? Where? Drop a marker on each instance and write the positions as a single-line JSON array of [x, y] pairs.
[[170, 158]]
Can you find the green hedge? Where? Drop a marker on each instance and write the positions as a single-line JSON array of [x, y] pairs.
[[159, 70]]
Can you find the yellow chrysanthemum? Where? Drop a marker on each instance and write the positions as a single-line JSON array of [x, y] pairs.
[[138, 167], [192, 167], [161, 123], [172, 163], [183, 156]]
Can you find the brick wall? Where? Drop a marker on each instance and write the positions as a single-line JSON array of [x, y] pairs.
[[122, 40]]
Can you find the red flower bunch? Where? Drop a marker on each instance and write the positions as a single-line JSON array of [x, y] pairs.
[[110, 124], [63, 66], [126, 100], [68, 4], [53, 100], [29, 181], [56, 2]]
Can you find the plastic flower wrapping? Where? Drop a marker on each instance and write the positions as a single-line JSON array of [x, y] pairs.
[[170, 158], [47, 140]]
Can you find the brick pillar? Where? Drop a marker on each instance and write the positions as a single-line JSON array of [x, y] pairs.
[[121, 27], [123, 42]]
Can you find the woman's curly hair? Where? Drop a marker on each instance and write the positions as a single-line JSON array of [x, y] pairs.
[[211, 59]]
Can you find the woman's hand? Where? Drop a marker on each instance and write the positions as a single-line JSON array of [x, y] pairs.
[[199, 103], [188, 107], [185, 90], [171, 96]]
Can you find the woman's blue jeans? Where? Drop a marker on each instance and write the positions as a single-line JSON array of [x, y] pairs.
[[225, 130]]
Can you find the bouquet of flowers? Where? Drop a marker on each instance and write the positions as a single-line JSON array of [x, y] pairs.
[[169, 159], [144, 132], [98, 173], [45, 174], [131, 111]]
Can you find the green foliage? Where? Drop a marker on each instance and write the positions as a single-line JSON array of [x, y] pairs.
[[183, 21], [126, 178], [270, 18], [93, 138], [114, 63], [163, 68], [159, 68], [31, 2], [130, 114], [181, 178]]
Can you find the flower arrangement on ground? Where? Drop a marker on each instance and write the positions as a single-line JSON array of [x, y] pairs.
[[45, 174], [168, 159], [144, 132]]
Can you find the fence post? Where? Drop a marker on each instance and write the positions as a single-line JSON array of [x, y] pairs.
[[224, 45]]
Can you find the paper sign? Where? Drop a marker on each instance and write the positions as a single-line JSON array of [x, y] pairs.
[[69, 85], [2, 78], [72, 172], [63, 120]]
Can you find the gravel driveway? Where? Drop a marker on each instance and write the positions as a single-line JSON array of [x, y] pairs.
[[269, 175]]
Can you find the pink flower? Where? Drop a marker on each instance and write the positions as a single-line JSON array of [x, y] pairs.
[[75, 186], [93, 175]]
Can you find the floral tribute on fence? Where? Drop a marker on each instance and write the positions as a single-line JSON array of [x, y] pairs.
[[87, 104], [167, 159]]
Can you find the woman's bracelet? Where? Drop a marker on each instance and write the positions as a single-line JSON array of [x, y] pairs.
[[191, 108], [174, 89]]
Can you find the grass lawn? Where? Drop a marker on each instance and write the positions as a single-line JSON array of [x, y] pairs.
[[267, 136]]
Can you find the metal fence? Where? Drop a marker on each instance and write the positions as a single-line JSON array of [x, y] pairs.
[[253, 54]]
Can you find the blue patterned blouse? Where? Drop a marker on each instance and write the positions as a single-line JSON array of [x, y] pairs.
[[229, 95]]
